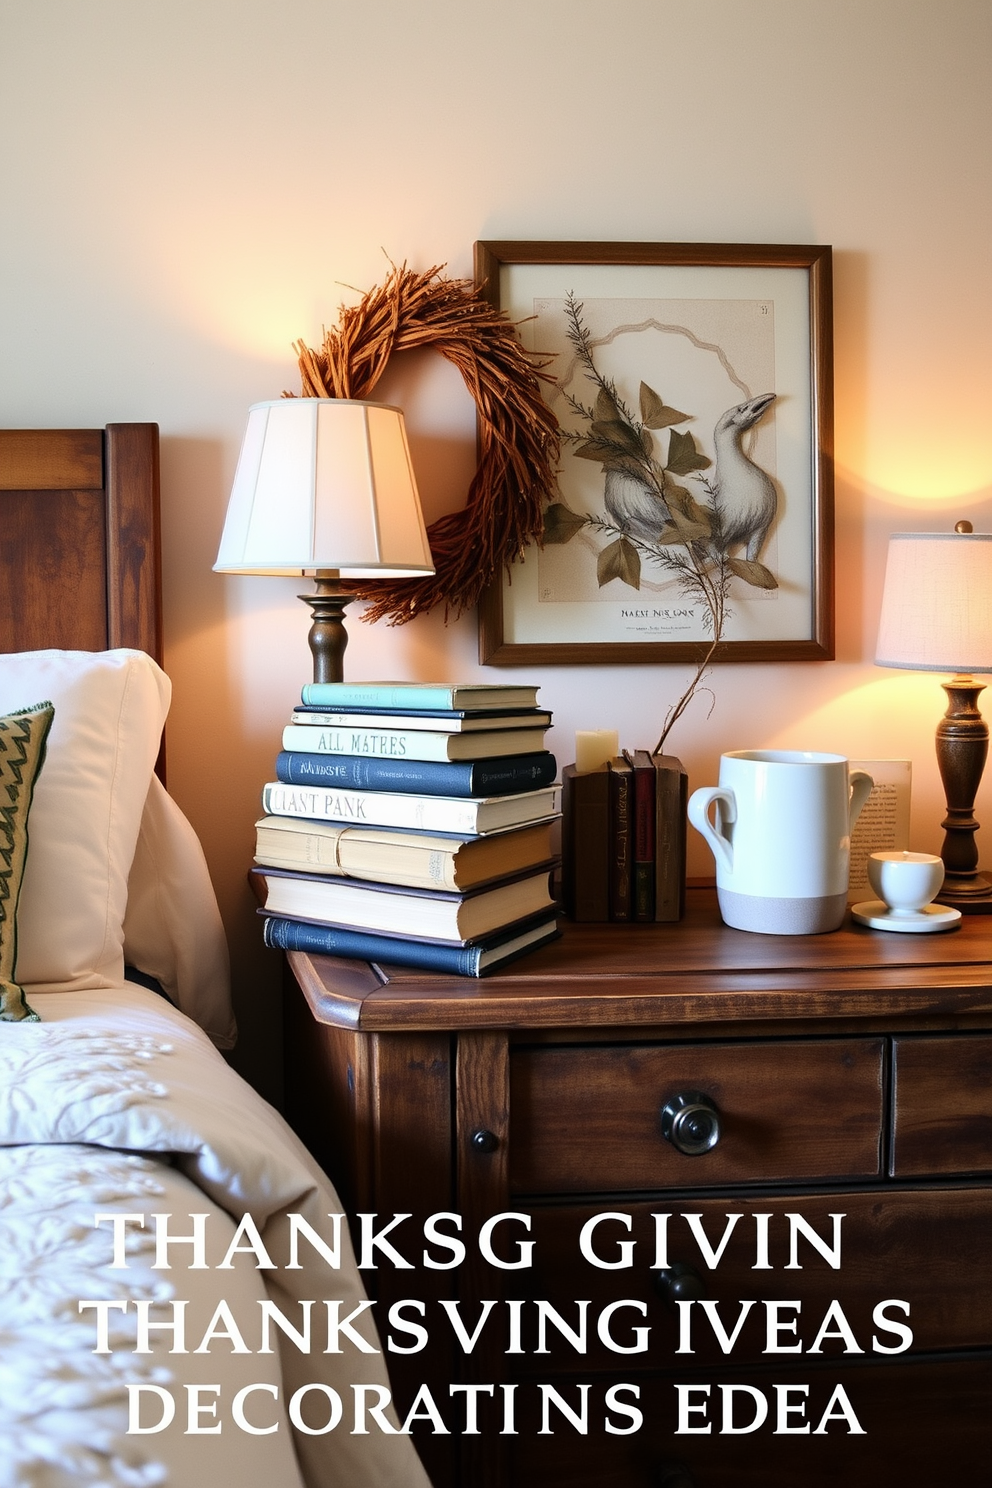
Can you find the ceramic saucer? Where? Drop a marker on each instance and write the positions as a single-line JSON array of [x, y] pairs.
[[877, 916]]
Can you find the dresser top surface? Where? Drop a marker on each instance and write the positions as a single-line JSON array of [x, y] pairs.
[[696, 971]]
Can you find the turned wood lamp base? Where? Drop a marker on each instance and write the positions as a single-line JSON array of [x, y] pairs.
[[962, 748], [328, 636]]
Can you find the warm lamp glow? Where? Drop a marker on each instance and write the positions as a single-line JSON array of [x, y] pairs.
[[930, 478]]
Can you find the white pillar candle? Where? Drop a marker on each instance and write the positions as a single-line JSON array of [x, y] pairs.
[[593, 747]]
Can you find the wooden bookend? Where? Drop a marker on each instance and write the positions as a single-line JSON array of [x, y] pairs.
[[671, 793], [586, 843]]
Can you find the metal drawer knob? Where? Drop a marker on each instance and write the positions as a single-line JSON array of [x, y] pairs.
[[679, 1283], [484, 1140], [691, 1122]]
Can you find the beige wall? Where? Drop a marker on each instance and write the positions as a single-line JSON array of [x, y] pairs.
[[187, 185]]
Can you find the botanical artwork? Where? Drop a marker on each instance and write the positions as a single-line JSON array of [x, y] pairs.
[[694, 500], [668, 494]]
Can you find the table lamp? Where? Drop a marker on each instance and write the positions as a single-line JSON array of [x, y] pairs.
[[325, 486], [937, 617]]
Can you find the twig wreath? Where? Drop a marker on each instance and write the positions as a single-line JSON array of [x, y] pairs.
[[518, 436]]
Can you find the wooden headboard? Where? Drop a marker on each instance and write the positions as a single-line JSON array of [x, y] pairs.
[[80, 550]]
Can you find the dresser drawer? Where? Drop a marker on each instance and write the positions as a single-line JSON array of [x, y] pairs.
[[943, 1105], [928, 1249], [588, 1118], [923, 1423]]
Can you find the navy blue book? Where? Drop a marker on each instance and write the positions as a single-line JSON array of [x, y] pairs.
[[457, 960], [504, 776]]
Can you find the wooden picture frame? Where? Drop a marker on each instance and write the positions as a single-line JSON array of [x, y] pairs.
[[695, 337]]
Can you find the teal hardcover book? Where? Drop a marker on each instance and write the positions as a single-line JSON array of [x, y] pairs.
[[417, 695]]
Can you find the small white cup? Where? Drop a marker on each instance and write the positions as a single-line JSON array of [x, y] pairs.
[[905, 881]]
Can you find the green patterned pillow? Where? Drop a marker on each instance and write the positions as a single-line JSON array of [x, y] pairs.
[[22, 753]]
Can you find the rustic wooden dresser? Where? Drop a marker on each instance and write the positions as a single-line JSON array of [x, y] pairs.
[[751, 1088]]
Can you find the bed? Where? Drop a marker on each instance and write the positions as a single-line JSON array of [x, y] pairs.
[[179, 1303]]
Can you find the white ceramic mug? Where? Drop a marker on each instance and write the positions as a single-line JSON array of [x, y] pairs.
[[781, 836]]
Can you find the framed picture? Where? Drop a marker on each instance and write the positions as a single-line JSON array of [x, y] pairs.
[[693, 386]]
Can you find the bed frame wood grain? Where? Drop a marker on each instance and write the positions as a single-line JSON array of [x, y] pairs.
[[80, 548]]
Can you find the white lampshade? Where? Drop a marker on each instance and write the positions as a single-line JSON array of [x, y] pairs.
[[325, 484], [937, 602]]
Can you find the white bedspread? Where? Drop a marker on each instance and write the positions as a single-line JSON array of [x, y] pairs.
[[88, 1098]]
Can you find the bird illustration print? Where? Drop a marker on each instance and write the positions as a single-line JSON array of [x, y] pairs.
[[675, 508], [666, 503], [745, 499]]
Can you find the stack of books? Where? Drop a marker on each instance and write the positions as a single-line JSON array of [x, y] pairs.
[[623, 839], [411, 823]]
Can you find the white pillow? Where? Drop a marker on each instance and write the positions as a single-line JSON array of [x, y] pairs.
[[109, 710], [173, 929]]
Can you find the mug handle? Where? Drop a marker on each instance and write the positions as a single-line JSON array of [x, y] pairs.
[[861, 784], [726, 812]]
